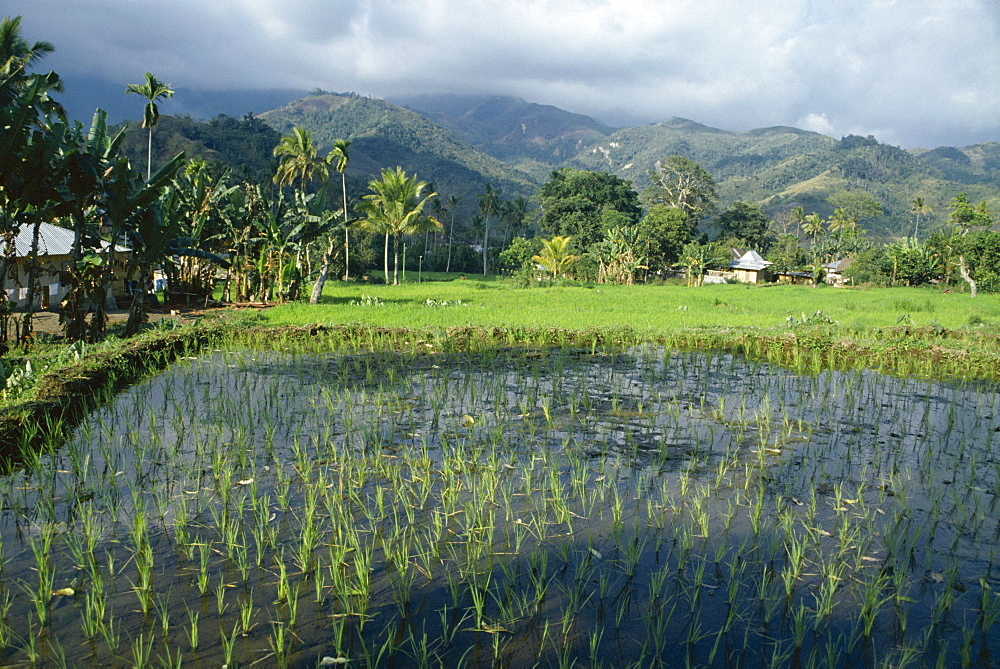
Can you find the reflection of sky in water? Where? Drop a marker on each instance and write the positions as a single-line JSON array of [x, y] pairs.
[[923, 452]]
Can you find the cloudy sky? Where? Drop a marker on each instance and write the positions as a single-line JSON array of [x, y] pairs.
[[911, 72]]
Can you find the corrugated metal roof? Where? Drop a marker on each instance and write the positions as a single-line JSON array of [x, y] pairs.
[[751, 260], [52, 241]]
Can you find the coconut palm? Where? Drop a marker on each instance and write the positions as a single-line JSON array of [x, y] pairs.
[[919, 208], [555, 257], [453, 201], [16, 55], [299, 161], [489, 205], [812, 225], [395, 208], [338, 157], [153, 90]]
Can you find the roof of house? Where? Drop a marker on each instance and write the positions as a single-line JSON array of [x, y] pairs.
[[52, 241], [751, 260], [838, 265]]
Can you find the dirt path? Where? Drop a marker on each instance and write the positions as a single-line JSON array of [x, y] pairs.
[[47, 322]]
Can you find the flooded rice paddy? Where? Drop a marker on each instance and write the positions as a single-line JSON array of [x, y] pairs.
[[555, 507]]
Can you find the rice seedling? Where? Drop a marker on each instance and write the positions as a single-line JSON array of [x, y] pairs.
[[602, 502]]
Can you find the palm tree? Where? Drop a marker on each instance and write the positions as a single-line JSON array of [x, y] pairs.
[[489, 204], [338, 157], [798, 217], [514, 213], [299, 160], [919, 208], [453, 201], [555, 256], [16, 55], [812, 225], [395, 208], [153, 90]]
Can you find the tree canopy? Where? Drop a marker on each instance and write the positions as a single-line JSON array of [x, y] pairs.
[[582, 204]]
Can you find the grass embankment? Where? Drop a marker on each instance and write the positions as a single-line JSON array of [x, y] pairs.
[[65, 392]]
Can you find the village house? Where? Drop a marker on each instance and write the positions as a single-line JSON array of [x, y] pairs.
[[750, 267], [54, 246]]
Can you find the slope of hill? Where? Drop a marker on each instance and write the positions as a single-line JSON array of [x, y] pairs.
[[461, 143], [243, 145], [384, 135], [530, 136]]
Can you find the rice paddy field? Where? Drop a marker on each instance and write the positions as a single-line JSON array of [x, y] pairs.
[[411, 498]]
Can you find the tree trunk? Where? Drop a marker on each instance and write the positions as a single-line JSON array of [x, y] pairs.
[[323, 271], [137, 312], [32, 267], [73, 311], [964, 271], [386, 258], [395, 260], [451, 240], [347, 240], [486, 241]]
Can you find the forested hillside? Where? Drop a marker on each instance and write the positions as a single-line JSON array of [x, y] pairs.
[[244, 145], [779, 167], [532, 137], [460, 144], [384, 135]]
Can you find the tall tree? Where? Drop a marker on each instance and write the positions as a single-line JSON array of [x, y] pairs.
[[490, 204], [745, 221], [453, 201], [395, 208], [583, 204], [153, 90], [338, 158], [813, 226], [919, 209], [681, 182]]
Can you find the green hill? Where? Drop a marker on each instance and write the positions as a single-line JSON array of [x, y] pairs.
[[384, 135], [534, 138], [461, 143]]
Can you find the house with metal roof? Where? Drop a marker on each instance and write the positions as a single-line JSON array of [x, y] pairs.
[[751, 268], [54, 246]]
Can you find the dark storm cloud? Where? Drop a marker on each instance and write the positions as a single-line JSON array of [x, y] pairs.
[[911, 71]]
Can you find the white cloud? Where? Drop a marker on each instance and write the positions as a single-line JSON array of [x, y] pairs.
[[817, 123], [919, 69]]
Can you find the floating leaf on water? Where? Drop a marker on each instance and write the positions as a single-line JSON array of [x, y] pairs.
[[491, 629], [64, 592]]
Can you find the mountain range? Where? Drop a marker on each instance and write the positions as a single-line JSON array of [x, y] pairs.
[[461, 143]]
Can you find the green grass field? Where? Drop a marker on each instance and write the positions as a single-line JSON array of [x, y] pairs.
[[653, 309]]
